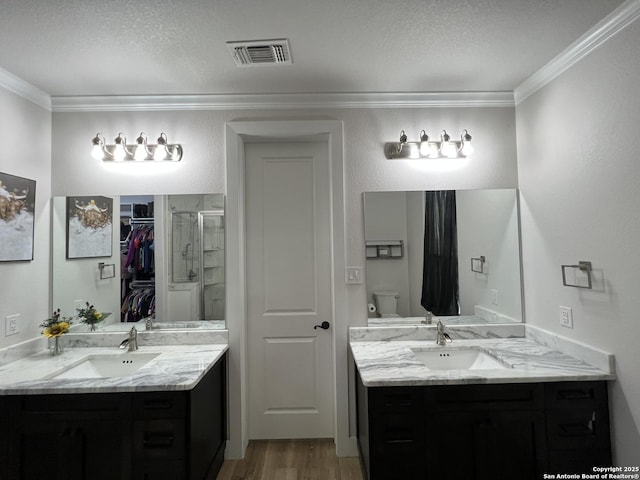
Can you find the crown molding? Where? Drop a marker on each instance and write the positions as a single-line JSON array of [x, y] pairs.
[[281, 101], [24, 89], [613, 23]]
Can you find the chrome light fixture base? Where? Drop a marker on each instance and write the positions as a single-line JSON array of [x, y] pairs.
[[427, 148], [141, 151]]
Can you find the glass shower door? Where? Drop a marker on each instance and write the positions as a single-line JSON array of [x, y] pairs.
[[212, 267]]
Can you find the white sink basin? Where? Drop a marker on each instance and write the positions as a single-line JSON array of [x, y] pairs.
[[107, 366], [452, 358]]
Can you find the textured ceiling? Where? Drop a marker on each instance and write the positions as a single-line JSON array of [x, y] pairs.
[[123, 47]]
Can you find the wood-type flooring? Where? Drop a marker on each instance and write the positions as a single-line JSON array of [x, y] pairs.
[[291, 460]]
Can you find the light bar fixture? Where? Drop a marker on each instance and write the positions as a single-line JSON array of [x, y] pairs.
[[427, 148], [141, 151]]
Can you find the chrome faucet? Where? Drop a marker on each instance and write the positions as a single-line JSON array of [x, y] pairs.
[[442, 337], [428, 318], [148, 323], [131, 341]]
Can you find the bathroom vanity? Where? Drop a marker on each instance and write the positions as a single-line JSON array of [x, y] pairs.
[[165, 421], [541, 411]]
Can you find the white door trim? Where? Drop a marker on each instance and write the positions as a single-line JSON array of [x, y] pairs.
[[237, 132]]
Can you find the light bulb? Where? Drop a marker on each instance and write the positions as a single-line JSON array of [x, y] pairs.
[[467, 148], [97, 153], [161, 148], [424, 144], [160, 153], [119, 151], [141, 150], [446, 148]]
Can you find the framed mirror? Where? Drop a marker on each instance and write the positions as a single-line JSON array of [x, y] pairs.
[[465, 266], [167, 265]]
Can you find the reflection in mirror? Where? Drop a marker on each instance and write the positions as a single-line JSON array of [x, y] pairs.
[[471, 274], [168, 261]]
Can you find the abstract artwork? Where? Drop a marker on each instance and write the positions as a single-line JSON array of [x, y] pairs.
[[17, 213], [89, 227]]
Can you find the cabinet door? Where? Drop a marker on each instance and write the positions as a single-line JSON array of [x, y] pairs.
[[74, 437], [486, 445], [67, 449]]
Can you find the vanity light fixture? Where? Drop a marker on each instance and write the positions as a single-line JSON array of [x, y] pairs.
[[142, 151], [427, 148]]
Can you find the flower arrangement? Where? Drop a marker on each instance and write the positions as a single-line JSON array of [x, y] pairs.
[[90, 315], [55, 325]]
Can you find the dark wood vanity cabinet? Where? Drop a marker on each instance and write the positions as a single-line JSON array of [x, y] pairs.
[[482, 431], [177, 435]]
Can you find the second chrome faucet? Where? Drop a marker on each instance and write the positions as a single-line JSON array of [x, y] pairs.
[[442, 337], [131, 341]]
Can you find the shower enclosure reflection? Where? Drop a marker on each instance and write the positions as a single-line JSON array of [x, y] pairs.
[[197, 262]]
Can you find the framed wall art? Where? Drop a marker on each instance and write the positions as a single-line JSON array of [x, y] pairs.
[[89, 227], [17, 218]]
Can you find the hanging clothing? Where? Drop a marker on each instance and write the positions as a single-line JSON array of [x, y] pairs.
[[440, 290]]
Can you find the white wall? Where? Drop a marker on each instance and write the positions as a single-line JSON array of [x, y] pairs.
[[579, 177], [25, 136], [488, 226]]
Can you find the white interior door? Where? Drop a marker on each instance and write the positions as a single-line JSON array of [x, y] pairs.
[[291, 386]]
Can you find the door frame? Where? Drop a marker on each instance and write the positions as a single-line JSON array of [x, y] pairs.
[[236, 134]]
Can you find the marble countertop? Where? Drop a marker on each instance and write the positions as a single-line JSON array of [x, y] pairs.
[[392, 363], [177, 367]]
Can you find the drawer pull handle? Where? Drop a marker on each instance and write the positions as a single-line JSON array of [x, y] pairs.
[[574, 394], [158, 441], [158, 404]]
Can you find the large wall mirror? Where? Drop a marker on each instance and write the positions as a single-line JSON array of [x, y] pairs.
[[139, 258], [464, 266]]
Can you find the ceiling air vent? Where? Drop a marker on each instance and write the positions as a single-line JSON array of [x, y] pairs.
[[260, 52]]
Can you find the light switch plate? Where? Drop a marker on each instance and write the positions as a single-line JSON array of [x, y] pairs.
[[353, 275]]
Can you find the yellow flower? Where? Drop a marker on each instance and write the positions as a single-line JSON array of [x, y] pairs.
[[98, 315]]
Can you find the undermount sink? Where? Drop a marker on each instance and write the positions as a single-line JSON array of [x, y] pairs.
[[107, 366], [451, 358]]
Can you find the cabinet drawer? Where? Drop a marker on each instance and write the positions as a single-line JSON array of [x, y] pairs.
[[159, 439], [572, 395], [499, 397], [398, 433], [578, 461], [160, 405], [578, 429], [160, 470], [397, 399], [105, 405]]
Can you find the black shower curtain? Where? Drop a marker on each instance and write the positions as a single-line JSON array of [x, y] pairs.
[[440, 270]]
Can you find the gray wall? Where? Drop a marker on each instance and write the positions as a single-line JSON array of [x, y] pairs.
[[579, 178], [25, 136]]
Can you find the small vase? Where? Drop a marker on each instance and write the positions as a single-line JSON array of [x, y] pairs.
[[55, 346]]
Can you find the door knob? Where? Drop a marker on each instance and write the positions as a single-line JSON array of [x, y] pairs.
[[324, 325]]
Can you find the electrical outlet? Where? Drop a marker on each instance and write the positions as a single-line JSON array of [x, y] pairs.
[[566, 317], [11, 326], [494, 297], [353, 275]]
